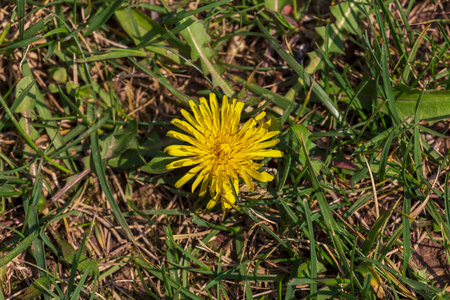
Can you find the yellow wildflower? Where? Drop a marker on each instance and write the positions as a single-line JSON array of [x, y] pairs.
[[220, 149]]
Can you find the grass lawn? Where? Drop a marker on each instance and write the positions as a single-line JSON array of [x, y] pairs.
[[326, 178]]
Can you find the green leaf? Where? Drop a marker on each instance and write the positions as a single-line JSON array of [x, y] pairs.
[[19, 248], [22, 43], [7, 190], [101, 16], [158, 164], [29, 129], [375, 231], [69, 253], [59, 74], [433, 106], [16, 104], [141, 28], [114, 54], [29, 102], [198, 39], [276, 5], [347, 14], [129, 159], [304, 270], [133, 157], [97, 162], [45, 113], [334, 39], [300, 130], [120, 141], [36, 289], [346, 17]]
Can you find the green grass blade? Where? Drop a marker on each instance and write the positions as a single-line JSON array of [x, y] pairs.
[[45, 113], [240, 242], [80, 285], [412, 56], [33, 222], [16, 103], [387, 87], [329, 222], [22, 246], [101, 16], [99, 170], [299, 70], [312, 243]]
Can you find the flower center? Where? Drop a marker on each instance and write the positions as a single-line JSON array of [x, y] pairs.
[[221, 151]]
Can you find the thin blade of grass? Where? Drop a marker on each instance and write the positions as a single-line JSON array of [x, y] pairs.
[[16, 103], [33, 223], [101, 16], [329, 222], [312, 245], [22, 246], [98, 166], [299, 70], [240, 242], [45, 113]]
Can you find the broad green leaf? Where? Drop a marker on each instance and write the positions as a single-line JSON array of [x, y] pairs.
[[347, 14], [69, 253], [346, 21], [375, 231], [133, 157], [7, 190], [304, 269], [102, 15], [300, 131], [22, 246], [26, 107], [158, 164], [331, 33], [45, 113], [29, 102], [59, 74], [16, 104], [198, 39], [433, 106], [120, 141], [276, 5], [29, 129], [141, 29], [129, 159], [36, 289]]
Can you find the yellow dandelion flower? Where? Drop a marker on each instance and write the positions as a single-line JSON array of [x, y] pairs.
[[220, 149]]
